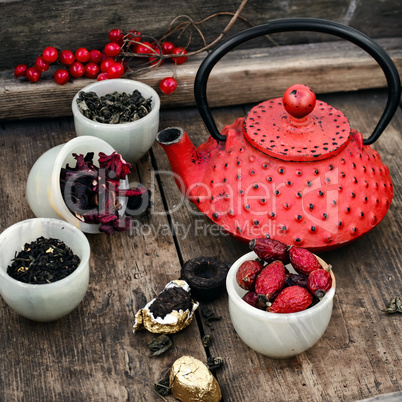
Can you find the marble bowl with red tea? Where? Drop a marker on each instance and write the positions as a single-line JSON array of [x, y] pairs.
[[45, 301], [130, 139], [43, 190]]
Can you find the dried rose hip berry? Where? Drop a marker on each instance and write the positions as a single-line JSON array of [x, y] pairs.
[[296, 280], [247, 274], [271, 280], [270, 250], [251, 298], [303, 260], [320, 279], [291, 300]]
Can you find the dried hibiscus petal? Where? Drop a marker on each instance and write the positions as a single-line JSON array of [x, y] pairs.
[[91, 193], [115, 164]]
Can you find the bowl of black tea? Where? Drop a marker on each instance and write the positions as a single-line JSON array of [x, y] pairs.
[[44, 268], [122, 112]]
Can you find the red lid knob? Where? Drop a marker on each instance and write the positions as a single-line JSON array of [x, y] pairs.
[[299, 100]]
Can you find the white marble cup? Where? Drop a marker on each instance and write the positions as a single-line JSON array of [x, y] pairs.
[[43, 185], [131, 140], [51, 301], [278, 336]]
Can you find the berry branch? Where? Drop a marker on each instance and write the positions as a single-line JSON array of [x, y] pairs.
[[124, 48]]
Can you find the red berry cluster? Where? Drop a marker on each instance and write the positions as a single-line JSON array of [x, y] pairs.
[[272, 287], [104, 65]]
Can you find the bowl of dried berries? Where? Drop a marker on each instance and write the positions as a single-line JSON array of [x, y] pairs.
[[280, 298], [122, 112], [44, 268]]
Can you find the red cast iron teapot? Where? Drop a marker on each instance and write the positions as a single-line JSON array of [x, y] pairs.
[[292, 169]]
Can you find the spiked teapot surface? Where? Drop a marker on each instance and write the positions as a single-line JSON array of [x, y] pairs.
[[292, 169]]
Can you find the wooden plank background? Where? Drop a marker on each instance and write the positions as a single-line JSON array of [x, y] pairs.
[[242, 76], [27, 27], [92, 355]]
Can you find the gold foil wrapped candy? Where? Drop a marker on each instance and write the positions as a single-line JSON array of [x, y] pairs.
[[170, 312], [191, 381]]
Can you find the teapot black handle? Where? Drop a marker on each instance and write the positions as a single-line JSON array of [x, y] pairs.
[[301, 24]]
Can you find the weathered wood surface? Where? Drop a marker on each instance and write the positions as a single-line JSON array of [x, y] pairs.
[[242, 76], [92, 354], [26, 28]]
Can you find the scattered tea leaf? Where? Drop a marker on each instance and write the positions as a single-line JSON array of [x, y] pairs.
[[206, 341], [209, 315], [159, 345], [162, 387], [395, 306], [214, 363]]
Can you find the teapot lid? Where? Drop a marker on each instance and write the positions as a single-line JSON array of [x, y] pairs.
[[296, 127]]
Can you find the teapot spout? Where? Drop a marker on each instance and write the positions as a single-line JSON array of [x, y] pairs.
[[187, 163]]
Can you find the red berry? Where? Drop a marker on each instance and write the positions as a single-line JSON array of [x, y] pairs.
[[134, 35], [155, 60], [41, 65], [91, 70], [77, 69], [106, 64], [270, 250], [96, 56], [251, 298], [299, 100], [116, 35], [20, 70], [320, 279], [82, 55], [61, 76], [271, 280], [112, 49], [50, 54], [143, 48], [168, 85], [247, 274], [291, 300], [102, 76], [67, 57], [303, 260], [179, 60], [32, 74], [168, 47], [116, 70]]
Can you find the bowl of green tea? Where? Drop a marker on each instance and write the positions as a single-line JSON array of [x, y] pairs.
[[44, 268], [122, 112]]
